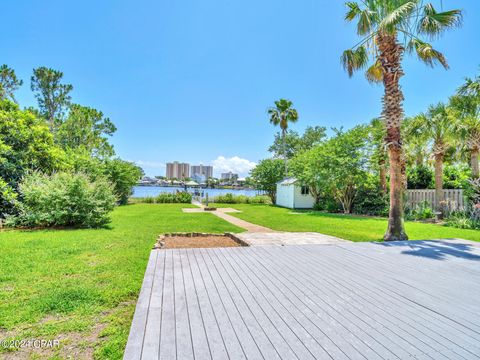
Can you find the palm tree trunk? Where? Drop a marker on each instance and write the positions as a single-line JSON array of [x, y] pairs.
[[439, 183], [391, 53], [284, 144], [474, 163]]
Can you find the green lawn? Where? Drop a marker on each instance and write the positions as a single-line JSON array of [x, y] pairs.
[[355, 228], [80, 286]]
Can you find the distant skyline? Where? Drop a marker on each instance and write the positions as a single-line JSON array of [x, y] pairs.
[[191, 81]]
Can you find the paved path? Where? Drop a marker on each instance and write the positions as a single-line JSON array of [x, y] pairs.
[[257, 235], [288, 238], [402, 300]]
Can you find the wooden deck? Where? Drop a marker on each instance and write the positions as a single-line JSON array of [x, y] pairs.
[[404, 300]]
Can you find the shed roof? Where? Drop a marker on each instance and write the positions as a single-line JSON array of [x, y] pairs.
[[288, 181]]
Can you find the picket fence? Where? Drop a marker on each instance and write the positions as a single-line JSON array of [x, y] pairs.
[[453, 198]]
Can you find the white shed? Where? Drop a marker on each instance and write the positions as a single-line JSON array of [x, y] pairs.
[[291, 194]]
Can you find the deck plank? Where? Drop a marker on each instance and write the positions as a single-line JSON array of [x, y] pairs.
[[343, 301]]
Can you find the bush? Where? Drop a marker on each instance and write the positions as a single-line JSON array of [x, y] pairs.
[[421, 211], [370, 200], [456, 177], [8, 199], [170, 198], [420, 177], [63, 199], [229, 198]]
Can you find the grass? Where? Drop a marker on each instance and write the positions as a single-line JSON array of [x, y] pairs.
[[80, 286], [354, 228]]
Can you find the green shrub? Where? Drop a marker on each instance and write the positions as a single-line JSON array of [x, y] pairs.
[[466, 219], [183, 197], [229, 198], [8, 199], [63, 199], [421, 211], [370, 200], [179, 197], [420, 177]]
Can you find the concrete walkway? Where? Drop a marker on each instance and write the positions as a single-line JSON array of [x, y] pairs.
[[257, 235], [223, 214]]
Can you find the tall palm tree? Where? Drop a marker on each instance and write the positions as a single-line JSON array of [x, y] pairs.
[[382, 25], [440, 129], [281, 115]]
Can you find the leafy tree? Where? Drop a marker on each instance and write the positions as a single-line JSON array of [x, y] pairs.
[[381, 24], [439, 128], [9, 83], [337, 166], [86, 128], [295, 143], [123, 175], [52, 95], [281, 115], [25, 144], [266, 175]]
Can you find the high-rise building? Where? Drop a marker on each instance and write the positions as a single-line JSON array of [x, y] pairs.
[[177, 170], [229, 176], [202, 171]]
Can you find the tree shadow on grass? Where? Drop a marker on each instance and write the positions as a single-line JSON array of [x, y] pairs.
[[435, 249]]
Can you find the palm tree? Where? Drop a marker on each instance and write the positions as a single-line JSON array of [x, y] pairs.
[[466, 107], [382, 24], [281, 115], [379, 155], [415, 145], [439, 128]]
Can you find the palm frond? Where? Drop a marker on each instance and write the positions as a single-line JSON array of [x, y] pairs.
[[366, 20], [353, 10], [354, 59], [427, 53], [470, 87], [434, 23], [398, 16], [374, 73]]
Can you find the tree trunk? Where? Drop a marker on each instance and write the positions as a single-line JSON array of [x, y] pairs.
[[439, 183], [285, 151], [383, 176], [474, 163], [391, 53]]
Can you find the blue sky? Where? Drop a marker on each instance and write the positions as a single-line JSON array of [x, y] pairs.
[[191, 80]]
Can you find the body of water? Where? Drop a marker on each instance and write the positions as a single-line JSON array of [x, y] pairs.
[[152, 191]]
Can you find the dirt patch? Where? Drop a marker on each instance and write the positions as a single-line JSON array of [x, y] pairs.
[[196, 240]]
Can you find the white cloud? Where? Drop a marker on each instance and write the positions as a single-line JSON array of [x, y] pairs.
[[234, 164]]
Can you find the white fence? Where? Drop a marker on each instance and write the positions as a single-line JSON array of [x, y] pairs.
[[453, 197]]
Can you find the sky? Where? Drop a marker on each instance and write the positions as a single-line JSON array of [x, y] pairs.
[[192, 80]]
